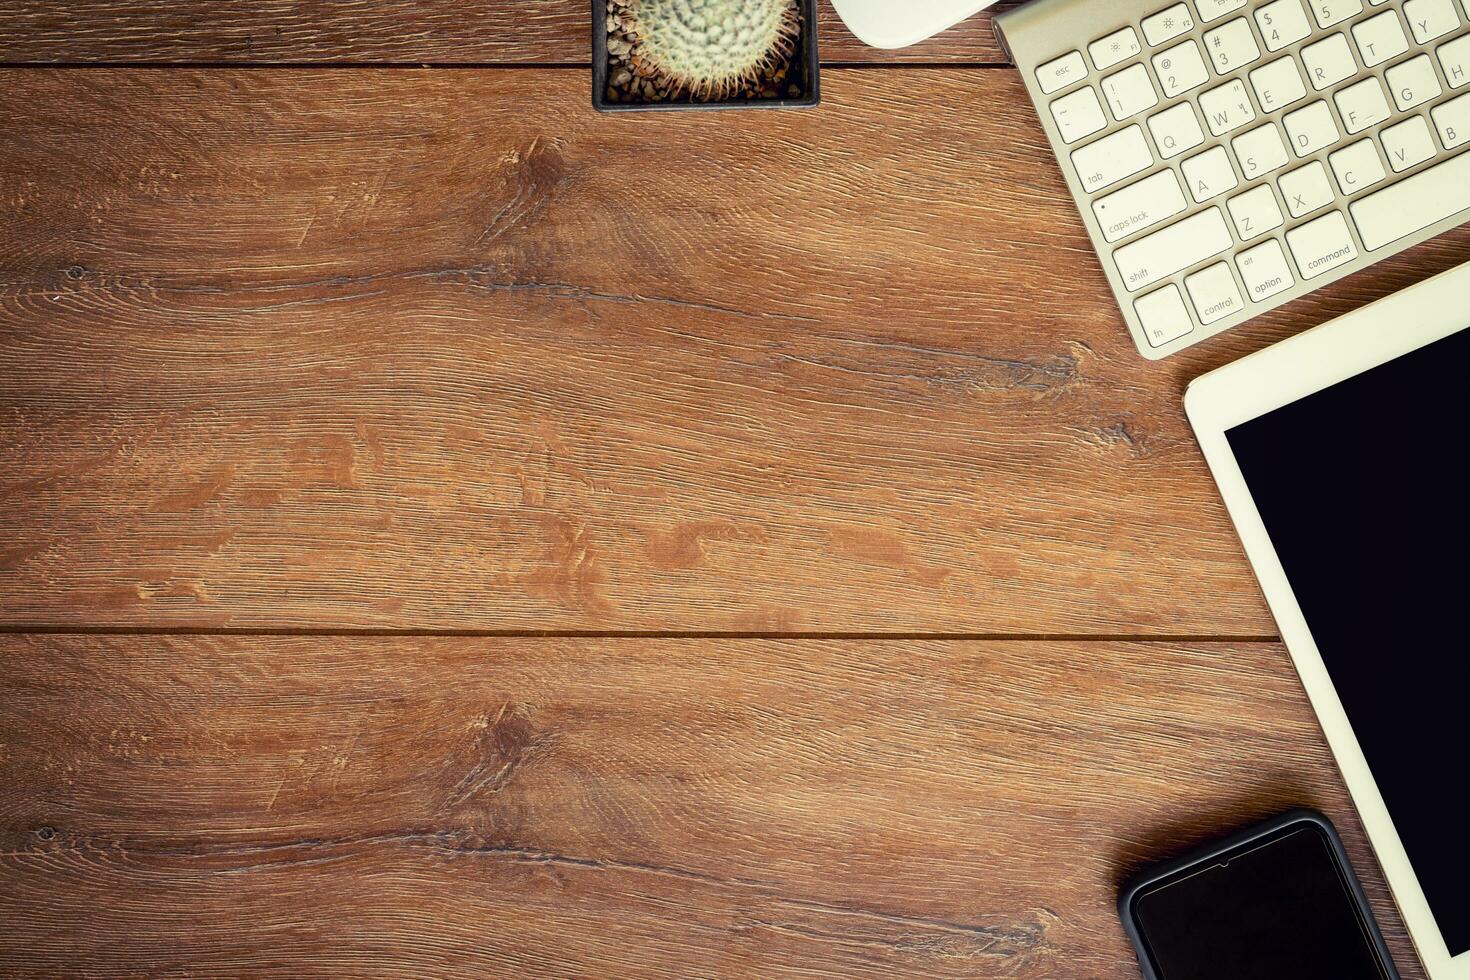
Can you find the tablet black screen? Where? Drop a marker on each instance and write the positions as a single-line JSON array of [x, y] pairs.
[[1362, 489]]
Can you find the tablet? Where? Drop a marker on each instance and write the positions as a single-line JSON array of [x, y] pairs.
[[1341, 455]]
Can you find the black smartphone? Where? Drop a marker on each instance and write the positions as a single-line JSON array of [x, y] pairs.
[[1276, 902]]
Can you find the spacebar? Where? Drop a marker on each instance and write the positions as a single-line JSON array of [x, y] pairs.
[[1417, 202]]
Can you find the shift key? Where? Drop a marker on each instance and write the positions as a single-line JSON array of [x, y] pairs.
[[1112, 158], [1176, 248]]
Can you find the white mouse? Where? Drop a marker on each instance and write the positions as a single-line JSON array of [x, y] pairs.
[[899, 23]]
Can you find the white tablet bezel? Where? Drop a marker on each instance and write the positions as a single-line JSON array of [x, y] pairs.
[[1277, 376]]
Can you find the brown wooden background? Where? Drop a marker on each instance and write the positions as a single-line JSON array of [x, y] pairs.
[[447, 532]]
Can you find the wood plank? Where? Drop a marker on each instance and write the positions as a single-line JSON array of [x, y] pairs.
[[271, 806], [448, 350], [375, 31]]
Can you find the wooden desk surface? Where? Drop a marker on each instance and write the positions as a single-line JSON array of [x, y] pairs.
[[447, 532]]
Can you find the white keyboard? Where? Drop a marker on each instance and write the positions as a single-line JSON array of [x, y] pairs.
[[1230, 155]]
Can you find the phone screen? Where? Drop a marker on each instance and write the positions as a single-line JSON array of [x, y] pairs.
[[1276, 909]]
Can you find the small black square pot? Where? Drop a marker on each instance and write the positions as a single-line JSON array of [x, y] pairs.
[[803, 70]]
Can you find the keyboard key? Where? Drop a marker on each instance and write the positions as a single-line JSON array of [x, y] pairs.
[[1454, 58], [1452, 119], [1231, 46], [1357, 166], [1311, 129], [1114, 49], [1264, 270], [1214, 293], [1215, 9], [1362, 104], [1159, 255], [1380, 38], [1329, 12], [1209, 174], [1139, 205], [1407, 144], [1278, 84], [1329, 62], [1129, 92], [1227, 108], [1413, 82], [1180, 69], [1176, 130], [1163, 315], [1429, 19], [1260, 151], [1168, 24], [1322, 244], [1414, 203], [1282, 23], [1306, 189], [1078, 115], [1255, 212], [1057, 75], [1112, 158]]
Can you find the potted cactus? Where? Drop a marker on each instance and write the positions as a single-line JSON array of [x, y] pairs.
[[703, 54]]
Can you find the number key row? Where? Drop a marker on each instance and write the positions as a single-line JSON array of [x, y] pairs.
[[1281, 23], [1232, 44]]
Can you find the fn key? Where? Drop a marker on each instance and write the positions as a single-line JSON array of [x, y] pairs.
[[1163, 316]]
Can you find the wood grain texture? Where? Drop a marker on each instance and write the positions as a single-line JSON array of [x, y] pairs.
[[183, 806], [446, 349], [371, 31]]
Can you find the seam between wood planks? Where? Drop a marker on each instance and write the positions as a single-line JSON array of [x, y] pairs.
[[454, 65], [48, 630]]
